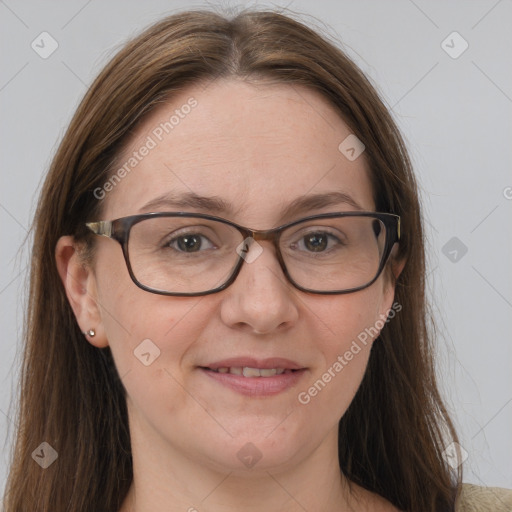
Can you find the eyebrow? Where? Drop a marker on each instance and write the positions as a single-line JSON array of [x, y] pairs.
[[319, 201], [218, 206], [188, 200]]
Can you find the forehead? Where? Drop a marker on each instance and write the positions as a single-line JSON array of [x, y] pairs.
[[256, 147]]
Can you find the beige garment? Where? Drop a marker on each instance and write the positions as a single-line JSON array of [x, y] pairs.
[[474, 498]]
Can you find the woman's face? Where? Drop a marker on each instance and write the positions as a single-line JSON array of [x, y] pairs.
[[257, 149]]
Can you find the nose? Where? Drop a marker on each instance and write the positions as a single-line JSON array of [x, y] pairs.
[[260, 300]]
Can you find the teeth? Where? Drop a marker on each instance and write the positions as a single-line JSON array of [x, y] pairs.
[[257, 372], [246, 371], [251, 372]]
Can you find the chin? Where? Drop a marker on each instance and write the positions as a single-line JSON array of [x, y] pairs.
[[258, 450]]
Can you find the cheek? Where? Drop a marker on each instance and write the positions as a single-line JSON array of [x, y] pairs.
[[147, 333], [150, 337], [132, 316], [345, 318], [163, 327], [350, 324]]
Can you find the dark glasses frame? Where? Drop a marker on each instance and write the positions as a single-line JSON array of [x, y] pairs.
[[119, 230]]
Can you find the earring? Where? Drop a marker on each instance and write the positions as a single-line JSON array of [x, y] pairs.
[[90, 332]]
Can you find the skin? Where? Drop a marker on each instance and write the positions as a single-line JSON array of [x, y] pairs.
[[257, 147]]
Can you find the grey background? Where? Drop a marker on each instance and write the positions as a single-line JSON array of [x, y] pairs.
[[455, 115]]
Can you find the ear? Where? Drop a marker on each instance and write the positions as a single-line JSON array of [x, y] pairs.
[[397, 265], [391, 275], [80, 284]]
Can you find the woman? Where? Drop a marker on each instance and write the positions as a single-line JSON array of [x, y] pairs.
[[227, 290]]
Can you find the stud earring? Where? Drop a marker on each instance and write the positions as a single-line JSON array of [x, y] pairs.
[[90, 332]]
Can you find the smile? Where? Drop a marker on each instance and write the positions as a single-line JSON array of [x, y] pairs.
[[247, 371], [255, 382]]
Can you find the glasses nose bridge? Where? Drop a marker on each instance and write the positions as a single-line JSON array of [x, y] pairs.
[[267, 235], [270, 235]]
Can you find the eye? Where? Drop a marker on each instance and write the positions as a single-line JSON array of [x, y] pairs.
[[190, 242], [317, 241]]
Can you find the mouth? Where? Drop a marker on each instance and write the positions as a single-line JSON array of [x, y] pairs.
[[250, 372], [253, 378]]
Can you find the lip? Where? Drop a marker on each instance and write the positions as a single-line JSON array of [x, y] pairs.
[[251, 362], [256, 386]]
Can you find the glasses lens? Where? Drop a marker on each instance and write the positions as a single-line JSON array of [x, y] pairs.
[[183, 254], [334, 254], [195, 255]]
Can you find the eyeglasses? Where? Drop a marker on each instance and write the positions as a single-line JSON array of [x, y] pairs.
[[190, 254]]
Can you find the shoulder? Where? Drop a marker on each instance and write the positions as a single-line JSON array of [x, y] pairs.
[[474, 498]]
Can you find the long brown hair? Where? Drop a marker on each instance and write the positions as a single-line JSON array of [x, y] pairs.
[[392, 436]]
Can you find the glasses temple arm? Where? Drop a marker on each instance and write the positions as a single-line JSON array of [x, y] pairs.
[[102, 227]]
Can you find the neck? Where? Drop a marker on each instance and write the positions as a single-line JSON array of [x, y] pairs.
[[166, 479]]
